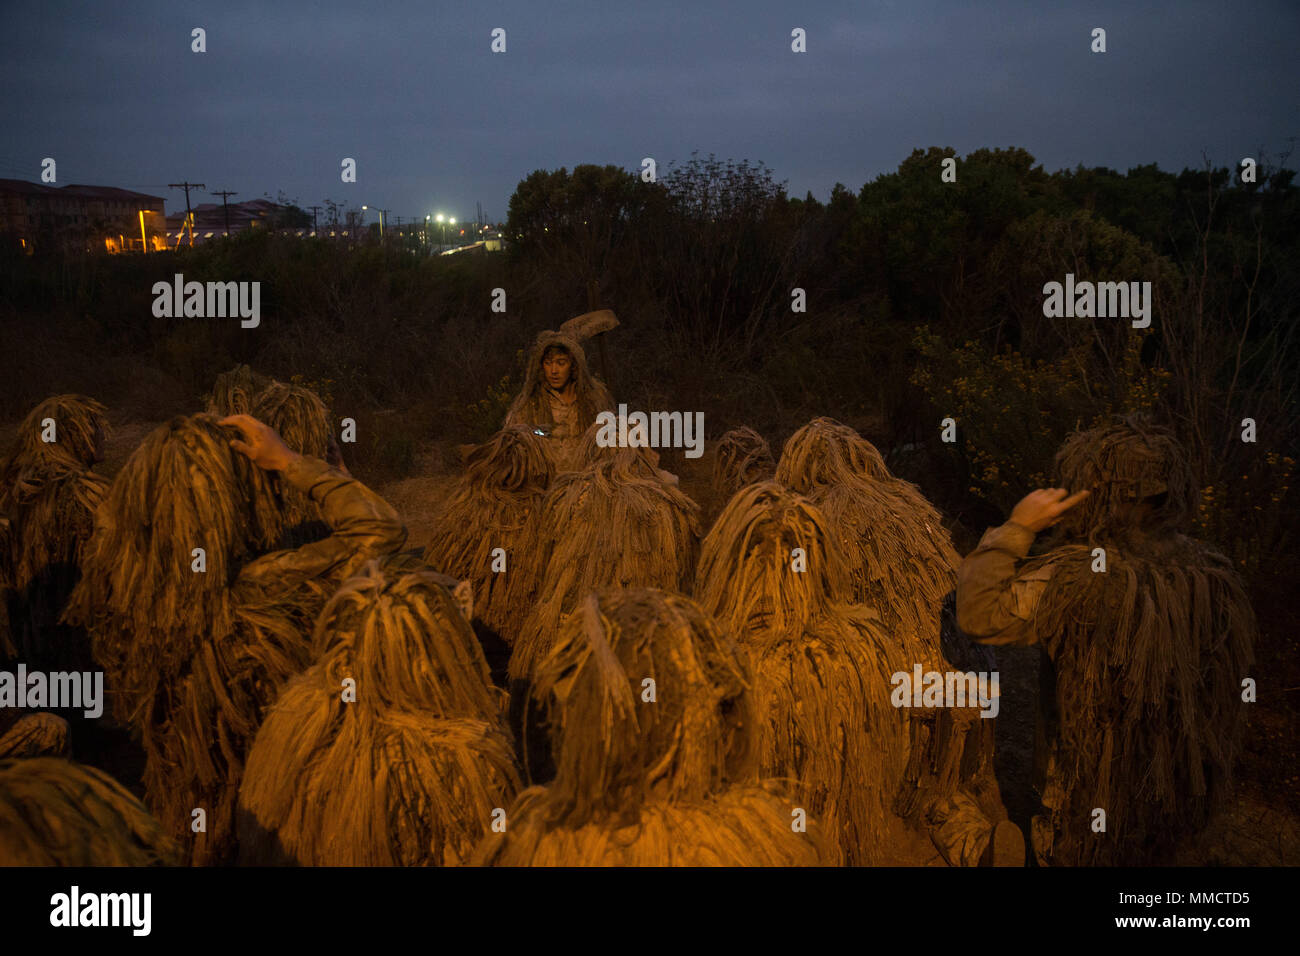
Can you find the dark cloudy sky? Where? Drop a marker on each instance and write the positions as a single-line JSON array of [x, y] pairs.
[[436, 121]]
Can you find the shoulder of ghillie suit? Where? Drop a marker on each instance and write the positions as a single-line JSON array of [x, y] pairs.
[[54, 812]]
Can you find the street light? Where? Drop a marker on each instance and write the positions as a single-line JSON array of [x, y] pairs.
[[381, 220]]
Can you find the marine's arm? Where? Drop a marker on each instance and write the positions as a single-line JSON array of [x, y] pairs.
[[995, 603], [361, 523]]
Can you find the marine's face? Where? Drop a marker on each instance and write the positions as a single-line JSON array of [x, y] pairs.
[[558, 369]]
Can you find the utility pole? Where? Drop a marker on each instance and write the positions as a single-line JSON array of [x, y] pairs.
[[189, 216], [223, 193], [314, 210]]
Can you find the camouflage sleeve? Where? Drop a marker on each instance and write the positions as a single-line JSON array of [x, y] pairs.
[[363, 526], [995, 603]]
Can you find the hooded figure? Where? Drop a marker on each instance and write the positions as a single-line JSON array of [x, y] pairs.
[[195, 631], [300, 418], [1147, 633], [653, 731], [48, 497], [742, 457], [560, 397], [902, 565], [902, 562], [488, 509], [234, 392], [772, 574], [407, 769], [57, 813]]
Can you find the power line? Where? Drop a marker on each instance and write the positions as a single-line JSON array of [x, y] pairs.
[[189, 216]]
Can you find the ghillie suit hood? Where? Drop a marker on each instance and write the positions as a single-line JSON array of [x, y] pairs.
[[406, 774], [616, 523], [190, 663], [902, 561], [57, 813], [48, 497], [532, 405], [24, 734], [301, 419], [234, 392], [741, 457], [1147, 657], [653, 722], [489, 507], [822, 666], [1139, 477]]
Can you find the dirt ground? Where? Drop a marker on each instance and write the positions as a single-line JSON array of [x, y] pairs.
[[1260, 828]]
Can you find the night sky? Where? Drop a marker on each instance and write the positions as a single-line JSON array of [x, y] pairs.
[[435, 120]]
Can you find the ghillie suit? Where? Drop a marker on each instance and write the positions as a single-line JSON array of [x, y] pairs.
[[741, 457], [48, 497], [616, 523], [902, 562], [234, 392], [57, 813], [903, 565], [1142, 713], [407, 773], [32, 735], [488, 508], [538, 406], [822, 666], [193, 657], [660, 774], [301, 419]]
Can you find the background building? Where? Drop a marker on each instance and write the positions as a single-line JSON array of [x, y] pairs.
[[210, 220], [37, 216]]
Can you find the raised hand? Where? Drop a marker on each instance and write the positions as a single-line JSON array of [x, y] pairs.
[[261, 445], [1043, 508]]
